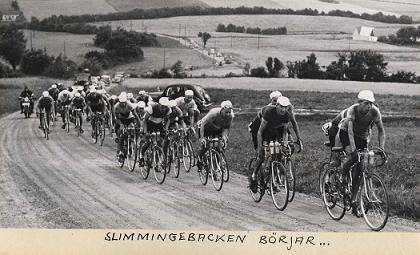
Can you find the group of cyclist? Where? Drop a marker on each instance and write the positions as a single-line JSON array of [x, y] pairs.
[[348, 131]]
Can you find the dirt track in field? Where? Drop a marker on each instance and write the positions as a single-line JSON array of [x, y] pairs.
[[69, 182]]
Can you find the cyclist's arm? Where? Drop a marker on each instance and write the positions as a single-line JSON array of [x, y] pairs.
[[136, 116], [263, 125], [295, 126], [225, 134], [191, 116], [351, 135], [381, 134], [146, 117]]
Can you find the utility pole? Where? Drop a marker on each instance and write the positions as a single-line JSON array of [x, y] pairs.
[[258, 41], [131, 25], [185, 33], [231, 41], [179, 33], [64, 49], [30, 34]]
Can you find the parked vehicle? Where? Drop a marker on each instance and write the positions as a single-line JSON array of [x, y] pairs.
[[106, 78], [201, 97]]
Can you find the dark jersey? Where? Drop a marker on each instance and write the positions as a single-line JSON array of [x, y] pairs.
[[26, 93], [78, 102], [94, 99], [54, 93], [45, 103], [274, 119]]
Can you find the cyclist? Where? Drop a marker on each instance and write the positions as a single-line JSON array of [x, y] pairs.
[[140, 109], [44, 104], [273, 127], [125, 114], [78, 102], [188, 107], [95, 103], [54, 91], [154, 121], [175, 117], [64, 98], [131, 99], [217, 122], [26, 93], [143, 96], [354, 133]]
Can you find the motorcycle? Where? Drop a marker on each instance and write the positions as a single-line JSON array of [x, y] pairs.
[[26, 104]]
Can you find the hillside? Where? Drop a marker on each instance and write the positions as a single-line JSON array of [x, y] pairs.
[[126, 5]]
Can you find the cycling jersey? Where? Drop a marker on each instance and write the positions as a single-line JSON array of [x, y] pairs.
[[186, 108], [158, 113], [123, 111], [78, 102], [64, 97], [54, 93], [94, 98], [45, 103], [174, 116], [215, 123], [362, 123]]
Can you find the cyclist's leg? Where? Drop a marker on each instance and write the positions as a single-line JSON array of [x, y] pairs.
[[41, 112], [344, 137], [360, 144]]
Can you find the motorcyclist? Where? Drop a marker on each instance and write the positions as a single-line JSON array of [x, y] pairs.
[[26, 93]]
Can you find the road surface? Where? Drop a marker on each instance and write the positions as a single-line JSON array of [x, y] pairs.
[[69, 182]]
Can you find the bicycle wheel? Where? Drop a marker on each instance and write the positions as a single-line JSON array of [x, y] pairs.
[[187, 154], [176, 160], [225, 167], [67, 123], [78, 127], [216, 172], [322, 171], [291, 178], [260, 181], [45, 127], [53, 117], [333, 198], [96, 131], [145, 170], [204, 172], [101, 132], [158, 165], [374, 202], [278, 186], [131, 152], [169, 157]]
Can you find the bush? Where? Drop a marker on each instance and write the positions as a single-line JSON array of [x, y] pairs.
[[61, 68], [5, 71], [402, 76], [35, 62], [259, 72]]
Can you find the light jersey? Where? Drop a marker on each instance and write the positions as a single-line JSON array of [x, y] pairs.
[[361, 123], [158, 113], [175, 114], [215, 121], [274, 119], [62, 98], [185, 107], [124, 110]]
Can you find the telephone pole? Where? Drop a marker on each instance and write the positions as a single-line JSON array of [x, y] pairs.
[[164, 57], [64, 49]]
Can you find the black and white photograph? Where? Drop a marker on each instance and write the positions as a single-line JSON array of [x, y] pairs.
[[289, 116]]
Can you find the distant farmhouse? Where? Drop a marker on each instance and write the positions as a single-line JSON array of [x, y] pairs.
[[10, 16], [364, 34]]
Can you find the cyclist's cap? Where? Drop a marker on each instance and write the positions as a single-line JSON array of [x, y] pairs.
[[141, 104], [77, 94], [123, 97], [283, 101], [54, 86], [172, 103], [226, 104], [366, 95], [164, 101], [129, 95], [45, 94], [189, 93], [142, 92], [275, 94], [92, 89]]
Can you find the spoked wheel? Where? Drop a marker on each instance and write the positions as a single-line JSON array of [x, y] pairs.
[[278, 186], [291, 178], [333, 198], [53, 117], [159, 165], [45, 128], [216, 170], [204, 172], [374, 202], [225, 167], [78, 127], [322, 170], [67, 122], [101, 132], [260, 181], [122, 157], [131, 152], [175, 159], [95, 131], [187, 155], [145, 170]]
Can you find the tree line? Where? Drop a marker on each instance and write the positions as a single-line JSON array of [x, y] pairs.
[[74, 23], [404, 36], [119, 46], [230, 28], [361, 65]]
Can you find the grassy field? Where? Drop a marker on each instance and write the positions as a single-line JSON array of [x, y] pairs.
[[126, 5], [76, 45], [315, 34], [283, 85], [401, 174], [45, 8], [404, 7]]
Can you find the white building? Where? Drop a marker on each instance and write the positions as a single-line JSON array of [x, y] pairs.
[[364, 34], [10, 16]]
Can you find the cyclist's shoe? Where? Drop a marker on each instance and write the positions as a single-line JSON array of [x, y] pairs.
[[199, 166], [63, 126], [40, 127], [141, 162], [81, 130], [253, 185], [355, 209], [21, 111]]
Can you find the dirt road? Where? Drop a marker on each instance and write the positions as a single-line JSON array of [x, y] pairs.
[[68, 182]]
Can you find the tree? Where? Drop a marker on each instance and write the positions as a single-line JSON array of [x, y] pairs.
[[12, 44], [278, 67], [178, 70], [102, 36], [124, 48], [366, 65], [259, 72], [269, 65], [35, 62], [61, 68], [337, 69], [205, 37], [15, 5]]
